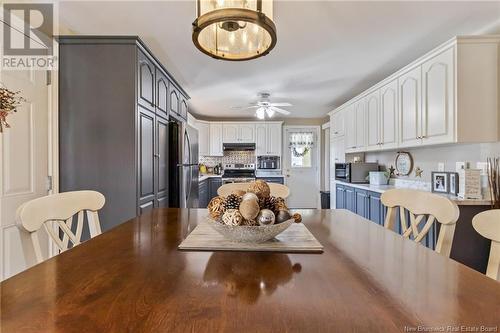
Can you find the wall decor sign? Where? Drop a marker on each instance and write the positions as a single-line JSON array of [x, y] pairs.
[[453, 182], [404, 163], [440, 182]]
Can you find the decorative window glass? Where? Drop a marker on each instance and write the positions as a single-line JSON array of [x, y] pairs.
[[300, 149]]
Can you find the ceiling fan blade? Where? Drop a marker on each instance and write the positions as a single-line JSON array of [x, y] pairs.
[[285, 112], [243, 107], [281, 104]]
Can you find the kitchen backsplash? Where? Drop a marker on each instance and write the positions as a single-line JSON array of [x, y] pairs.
[[230, 157]]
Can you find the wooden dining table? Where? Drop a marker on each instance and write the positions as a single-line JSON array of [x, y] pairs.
[[133, 278]]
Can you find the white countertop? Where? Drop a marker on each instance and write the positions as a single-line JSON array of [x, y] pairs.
[[383, 188], [204, 176]]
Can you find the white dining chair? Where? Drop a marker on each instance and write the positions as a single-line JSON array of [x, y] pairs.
[[487, 224], [277, 190], [56, 213], [422, 206]]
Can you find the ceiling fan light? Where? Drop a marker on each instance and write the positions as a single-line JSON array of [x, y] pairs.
[[234, 30], [260, 113], [270, 112]]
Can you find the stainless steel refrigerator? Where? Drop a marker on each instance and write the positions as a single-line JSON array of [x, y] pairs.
[[184, 174]]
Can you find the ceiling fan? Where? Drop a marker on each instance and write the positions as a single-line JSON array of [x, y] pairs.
[[265, 107]]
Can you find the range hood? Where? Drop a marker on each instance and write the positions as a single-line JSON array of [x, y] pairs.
[[238, 146]]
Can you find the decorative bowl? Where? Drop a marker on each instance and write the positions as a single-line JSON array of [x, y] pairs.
[[249, 234]]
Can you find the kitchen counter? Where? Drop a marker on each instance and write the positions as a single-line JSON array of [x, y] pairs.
[[208, 175], [383, 188]]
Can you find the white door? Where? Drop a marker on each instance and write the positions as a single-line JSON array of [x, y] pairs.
[[246, 133], [410, 110], [373, 120], [389, 114], [301, 167], [230, 133], [438, 98], [261, 139], [274, 139], [216, 139], [23, 163]]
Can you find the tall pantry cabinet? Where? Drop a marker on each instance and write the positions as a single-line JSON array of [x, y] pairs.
[[115, 104]]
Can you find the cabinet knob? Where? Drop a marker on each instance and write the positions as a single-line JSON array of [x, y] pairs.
[[156, 155]]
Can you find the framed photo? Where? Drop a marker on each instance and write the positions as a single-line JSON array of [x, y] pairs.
[[453, 178], [440, 182]]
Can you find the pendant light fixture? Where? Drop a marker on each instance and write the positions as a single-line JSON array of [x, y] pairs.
[[234, 29]]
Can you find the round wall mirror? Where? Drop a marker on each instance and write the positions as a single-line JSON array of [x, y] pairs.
[[404, 163]]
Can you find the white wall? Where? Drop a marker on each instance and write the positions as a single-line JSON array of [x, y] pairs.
[[428, 158]]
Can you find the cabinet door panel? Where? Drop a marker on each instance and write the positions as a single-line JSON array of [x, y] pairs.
[[338, 124], [389, 114], [146, 84], [350, 131], [373, 120], [230, 133], [246, 133], [360, 124], [410, 104], [183, 108], [174, 100], [162, 159], [216, 139], [350, 199], [375, 212], [146, 154], [261, 140], [161, 94], [339, 197], [203, 138], [274, 137], [362, 203], [438, 98]]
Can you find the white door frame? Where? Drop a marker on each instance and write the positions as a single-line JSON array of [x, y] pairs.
[[317, 130]]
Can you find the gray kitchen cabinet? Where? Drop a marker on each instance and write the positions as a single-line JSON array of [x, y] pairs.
[[362, 203], [339, 196], [203, 193], [350, 199], [213, 186], [114, 105], [276, 180]]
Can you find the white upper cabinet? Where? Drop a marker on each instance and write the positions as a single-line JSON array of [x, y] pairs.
[[230, 133], [350, 127], [389, 115], [216, 139], [410, 97], [274, 138], [438, 98], [203, 138], [268, 139], [360, 124], [239, 132], [373, 121], [337, 124]]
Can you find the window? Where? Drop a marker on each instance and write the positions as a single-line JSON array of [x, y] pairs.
[[300, 149]]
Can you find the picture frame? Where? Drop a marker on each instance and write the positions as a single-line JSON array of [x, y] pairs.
[[440, 182], [404, 163], [453, 181]]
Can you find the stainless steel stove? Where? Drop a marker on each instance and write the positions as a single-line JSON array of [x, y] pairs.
[[238, 173]]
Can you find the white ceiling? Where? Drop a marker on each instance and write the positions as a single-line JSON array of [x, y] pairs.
[[327, 52]]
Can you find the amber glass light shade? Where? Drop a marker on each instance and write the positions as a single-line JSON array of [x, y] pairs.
[[234, 29]]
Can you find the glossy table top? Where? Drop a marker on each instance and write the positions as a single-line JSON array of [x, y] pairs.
[[133, 279]]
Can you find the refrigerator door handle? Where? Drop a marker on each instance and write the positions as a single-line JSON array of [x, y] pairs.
[[188, 192]]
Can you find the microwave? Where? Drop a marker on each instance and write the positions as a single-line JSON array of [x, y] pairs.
[[356, 173], [268, 162]]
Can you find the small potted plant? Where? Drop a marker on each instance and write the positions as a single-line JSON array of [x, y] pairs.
[[9, 102]]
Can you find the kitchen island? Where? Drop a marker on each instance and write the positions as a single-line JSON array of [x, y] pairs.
[[134, 279]]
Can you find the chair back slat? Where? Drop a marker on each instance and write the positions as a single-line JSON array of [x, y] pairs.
[[56, 214], [422, 206], [487, 224]]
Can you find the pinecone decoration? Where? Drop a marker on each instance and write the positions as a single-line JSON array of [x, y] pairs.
[[267, 203], [232, 202], [279, 204]]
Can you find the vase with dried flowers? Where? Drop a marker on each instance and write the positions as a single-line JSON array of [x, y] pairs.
[[9, 102], [494, 181]]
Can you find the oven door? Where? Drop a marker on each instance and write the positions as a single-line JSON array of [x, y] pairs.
[[237, 180]]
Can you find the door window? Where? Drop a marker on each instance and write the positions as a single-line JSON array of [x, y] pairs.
[[301, 145]]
